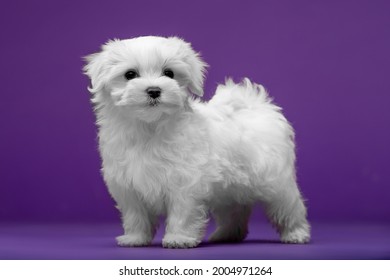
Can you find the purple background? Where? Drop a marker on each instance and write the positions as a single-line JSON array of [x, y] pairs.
[[325, 62]]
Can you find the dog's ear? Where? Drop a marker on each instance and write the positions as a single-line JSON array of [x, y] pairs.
[[96, 67], [198, 71], [197, 67]]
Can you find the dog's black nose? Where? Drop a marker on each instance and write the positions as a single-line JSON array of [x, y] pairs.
[[153, 92]]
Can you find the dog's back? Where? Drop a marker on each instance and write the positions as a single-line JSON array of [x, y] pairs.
[[254, 125]]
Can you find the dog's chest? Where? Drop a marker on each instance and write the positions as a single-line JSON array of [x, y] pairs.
[[151, 169]]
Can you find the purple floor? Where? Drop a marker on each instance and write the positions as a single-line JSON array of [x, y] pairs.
[[96, 241]]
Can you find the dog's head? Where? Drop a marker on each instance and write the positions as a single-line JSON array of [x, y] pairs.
[[146, 76]]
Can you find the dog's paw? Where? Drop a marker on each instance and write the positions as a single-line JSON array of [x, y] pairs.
[[132, 240], [176, 241], [221, 235], [297, 235]]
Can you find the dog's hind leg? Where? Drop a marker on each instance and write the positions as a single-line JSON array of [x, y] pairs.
[[286, 210], [232, 222]]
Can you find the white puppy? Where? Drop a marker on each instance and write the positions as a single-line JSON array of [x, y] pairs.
[[167, 153]]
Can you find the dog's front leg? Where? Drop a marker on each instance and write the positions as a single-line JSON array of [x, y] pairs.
[[139, 222], [186, 219]]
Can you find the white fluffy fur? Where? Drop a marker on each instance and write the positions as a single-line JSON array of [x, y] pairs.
[[182, 158]]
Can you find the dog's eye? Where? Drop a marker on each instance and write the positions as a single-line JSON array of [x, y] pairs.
[[131, 74], [169, 73]]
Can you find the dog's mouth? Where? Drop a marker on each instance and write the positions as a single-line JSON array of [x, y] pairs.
[[153, 102]]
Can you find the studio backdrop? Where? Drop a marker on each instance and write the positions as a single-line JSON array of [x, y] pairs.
[[325, 62]]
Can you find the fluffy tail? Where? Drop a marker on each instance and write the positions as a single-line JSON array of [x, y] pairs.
[[240, 96]]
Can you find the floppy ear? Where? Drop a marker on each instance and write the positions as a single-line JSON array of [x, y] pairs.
[[96, 67], [197, 67], [198, 71]]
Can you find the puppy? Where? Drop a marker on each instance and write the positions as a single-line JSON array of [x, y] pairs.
[[164, 152]]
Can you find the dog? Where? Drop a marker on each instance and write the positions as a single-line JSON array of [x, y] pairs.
[[166, 152]]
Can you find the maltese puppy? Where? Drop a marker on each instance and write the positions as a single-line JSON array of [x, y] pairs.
[[164, 152]]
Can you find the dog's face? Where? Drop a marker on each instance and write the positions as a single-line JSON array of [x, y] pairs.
[[146, 77]]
